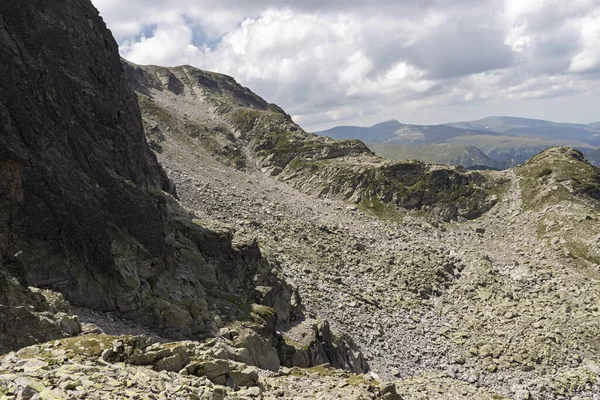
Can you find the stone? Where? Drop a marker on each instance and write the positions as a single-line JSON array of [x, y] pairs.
[[32, 366], [28, 393], [485, 350], [172, 363], [387, 391], [260, 352], [245, 377], [522, 395], [214, 370], [68, 323]]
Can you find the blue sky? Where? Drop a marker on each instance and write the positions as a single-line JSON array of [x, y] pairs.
[[330, 63]]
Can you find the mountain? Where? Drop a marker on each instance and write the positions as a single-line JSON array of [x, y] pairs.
[[534, 127], [244, 129], [197, 243], [404, 269], [467, 156], [90, 218], [395, 132], [506, 140]]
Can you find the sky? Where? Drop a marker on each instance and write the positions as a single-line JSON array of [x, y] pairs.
[[334, 62]]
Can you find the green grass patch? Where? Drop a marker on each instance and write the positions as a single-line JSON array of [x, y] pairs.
[[262, 311], [386, 211], [359, 380]]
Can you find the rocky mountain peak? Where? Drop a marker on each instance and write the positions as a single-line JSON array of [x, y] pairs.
[[557, 153]]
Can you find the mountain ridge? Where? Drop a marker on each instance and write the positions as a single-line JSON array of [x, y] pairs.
[[506, 140], [269, 139]]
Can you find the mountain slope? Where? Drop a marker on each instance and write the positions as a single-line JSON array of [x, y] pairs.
[[281, 239], [467, 156], [567, 189], [401, 280], [506, 140], [88, 212], [262, 135]]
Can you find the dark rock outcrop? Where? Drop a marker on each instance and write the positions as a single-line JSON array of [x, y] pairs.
[[85, 204], [82, 179], [313, 343], [85, 208], [29, 315]]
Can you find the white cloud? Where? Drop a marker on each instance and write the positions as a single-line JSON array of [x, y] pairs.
[[588, 58], [169, 44], [517, 38], [421, 61]]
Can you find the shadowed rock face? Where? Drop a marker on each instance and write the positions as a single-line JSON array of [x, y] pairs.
[[79, 169], [86, 208]]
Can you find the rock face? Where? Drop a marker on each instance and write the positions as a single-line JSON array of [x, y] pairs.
[[212, 111], [312, 343], [30, 315], [83, 188], [88, 211]]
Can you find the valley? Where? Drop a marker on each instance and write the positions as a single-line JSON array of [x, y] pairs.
[[433, 302], [166, 233]]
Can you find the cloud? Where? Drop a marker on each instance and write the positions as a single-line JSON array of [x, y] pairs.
[[587, 58], [328, 62]]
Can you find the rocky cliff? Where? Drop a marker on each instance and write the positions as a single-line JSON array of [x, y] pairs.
[[280, 255], [88, 212]]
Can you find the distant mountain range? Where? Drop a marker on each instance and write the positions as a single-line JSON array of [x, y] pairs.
[[505, 141], [439, 153]]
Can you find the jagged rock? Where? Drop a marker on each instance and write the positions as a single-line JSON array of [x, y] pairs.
[[93, 214], [68, 323], [387, 391], [259, 351], [245, 377], [313, 343], [82, 376], [215, 370], [172, 363], [26, 316]]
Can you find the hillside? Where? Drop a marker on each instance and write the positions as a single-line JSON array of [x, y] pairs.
[[402, 279], [396, 132], [198, 244], [93, 239], [451, 154], [210, 111], [506, 140], [534, 127]]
